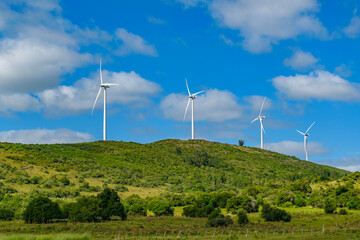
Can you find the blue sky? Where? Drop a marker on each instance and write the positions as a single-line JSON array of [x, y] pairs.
[[301, 54]]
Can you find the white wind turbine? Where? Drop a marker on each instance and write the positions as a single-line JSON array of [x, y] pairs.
[[260, 118], [192, 97], [103, 86], [305, 140]]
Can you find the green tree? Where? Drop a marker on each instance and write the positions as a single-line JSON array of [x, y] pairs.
[[330, 205], [163, 209], [41, 210], [86, 209], [274, 214], [110, 205]]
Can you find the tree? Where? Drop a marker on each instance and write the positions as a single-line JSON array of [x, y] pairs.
[[110, 205], [330, 205], [241, 143], [163, 209], [86, 209], [41, 210], [273, 214], [242, 217]]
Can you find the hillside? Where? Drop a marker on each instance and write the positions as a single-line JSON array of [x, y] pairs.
[[67, 170]]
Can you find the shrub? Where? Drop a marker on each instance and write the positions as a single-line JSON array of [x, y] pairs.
[[198, 211], [86, 209], [242, 217], [64, 180], [273, 214], [300, 202], [340, 190], [243, 202], [354, 203], [285, 196], [343, 211], [216, 219], [6, 214], [110, 205], [41, 210], [330, 205], [163, 209]]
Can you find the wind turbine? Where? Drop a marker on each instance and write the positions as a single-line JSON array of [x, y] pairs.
[[260, 118], [192, 97], [103, 86], [305, 140]]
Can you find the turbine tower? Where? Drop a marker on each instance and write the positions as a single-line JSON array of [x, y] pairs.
[[192, 97], [103, 86], [305, 140], [260, 118]]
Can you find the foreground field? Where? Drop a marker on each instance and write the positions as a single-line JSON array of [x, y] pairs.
[[307, 223]]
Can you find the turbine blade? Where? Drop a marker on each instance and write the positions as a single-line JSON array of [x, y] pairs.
[[309, 127], [100, 73], [111, 84], [300, 132], [198, 93], [262, 106], [254, 119], [187, 87], [187, 106], [95, 101]]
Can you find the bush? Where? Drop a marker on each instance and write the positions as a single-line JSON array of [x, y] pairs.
[[340, 190], [6, 214], [300, 202], [343, 211], [163, 209], [273, 214], [354, 203], [242, 217], [86, 209], [198, 211], [243, 202], [216, 219], [41, 210], [110, 205], [330, 206]]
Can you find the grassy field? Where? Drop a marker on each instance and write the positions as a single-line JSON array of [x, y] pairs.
[[307, 223]]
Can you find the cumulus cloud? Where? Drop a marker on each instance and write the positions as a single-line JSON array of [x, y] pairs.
[[297, 148], [215, 105], [351, 163], [263, 23], [353, 29], [133, 44], [301, 61], [18, 102], [44, 136], [65, 100], [29, 65], [321, 85]]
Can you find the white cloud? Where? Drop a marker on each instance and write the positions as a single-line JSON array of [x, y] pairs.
[[132, 89], [18, 102], [317, 85], [214, 105], [348, 163], [353, 30], [28, 65], [44, 136], [133, 44], [301, 61], [263, 23], [297, 148], [343, 70], [155, 20]]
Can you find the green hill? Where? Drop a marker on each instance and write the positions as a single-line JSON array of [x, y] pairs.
[[67, 170]]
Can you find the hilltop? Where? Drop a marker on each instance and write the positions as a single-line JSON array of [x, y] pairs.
[[67, 170]]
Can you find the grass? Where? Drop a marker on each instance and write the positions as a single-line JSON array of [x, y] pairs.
[[307, 223]]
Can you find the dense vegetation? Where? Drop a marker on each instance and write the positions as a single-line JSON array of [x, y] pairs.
[[220, 183]]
